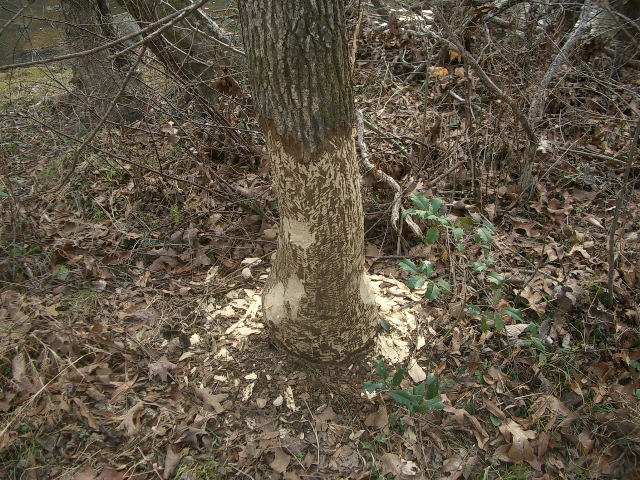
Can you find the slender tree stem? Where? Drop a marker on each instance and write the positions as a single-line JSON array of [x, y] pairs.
[[618, 211]]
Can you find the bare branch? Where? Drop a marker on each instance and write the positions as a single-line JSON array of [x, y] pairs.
[[171, 19]]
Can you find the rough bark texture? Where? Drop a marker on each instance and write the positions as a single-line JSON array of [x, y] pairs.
[[97, 79], [317, 300]]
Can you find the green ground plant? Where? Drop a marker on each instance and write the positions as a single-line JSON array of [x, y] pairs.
[[460, 232], [420, 398]]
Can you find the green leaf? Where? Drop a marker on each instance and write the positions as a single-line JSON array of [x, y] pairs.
[[436, 205], [497, 321], [63, 271], [495, 278], [419, 200], [460, 248], [495, 420], [483, 236], [466, 222], [458, 233], [415, 282], [478, 266], [472, 310], [419, 389], [408, 265], [433, 385], [404, 397], [426, 268], [484, 326], [490, 227], [386, 326], [381, 370], [514, 313], [432, 292], [635, 364], [3, 194], [398, 377], [432, 235], [444, 221], [431, 404], [637, 392], [533, 328], [538, 344], [370, 387], [444, 286]]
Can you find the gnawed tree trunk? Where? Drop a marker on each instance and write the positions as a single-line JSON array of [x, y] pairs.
[[96, 78], [317, 300]]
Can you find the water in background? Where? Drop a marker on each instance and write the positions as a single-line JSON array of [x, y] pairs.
[[37, 34]]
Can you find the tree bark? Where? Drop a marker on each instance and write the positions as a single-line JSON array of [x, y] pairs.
[[97, 79], [190, 57], [317, 300]]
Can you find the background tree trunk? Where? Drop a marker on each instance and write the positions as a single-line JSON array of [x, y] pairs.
[[192, 58], [97, 79], [317, 301]]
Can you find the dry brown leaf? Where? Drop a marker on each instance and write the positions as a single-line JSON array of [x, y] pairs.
[[281, 461], [586, 441], [460, 414], [129, 424], [123, 388], [492, 407], [416, 372], [214, 401], [86, 473], [322, 420], [161, 368], [378, 419], [171, 462], [109, 473], [518, 448], [84, 411]]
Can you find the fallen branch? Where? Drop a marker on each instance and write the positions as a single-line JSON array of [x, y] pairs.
[[396, 203]]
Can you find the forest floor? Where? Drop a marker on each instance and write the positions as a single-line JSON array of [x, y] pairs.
[[131, 342]]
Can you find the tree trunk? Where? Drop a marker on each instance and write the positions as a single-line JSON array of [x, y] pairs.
[[190, 57], [97, 79], [317, 300]]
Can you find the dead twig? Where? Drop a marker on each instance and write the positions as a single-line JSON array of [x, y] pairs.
[[96, 129], [396, 203], [618, 211]]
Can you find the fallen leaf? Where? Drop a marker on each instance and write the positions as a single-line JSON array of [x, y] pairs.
[[84, 411], [416, 372], [281, 461], [171, 462], [86, 473], [322, 420], [518, 448], [161, 368], [214, 401], [289, 400], [378, 419], [129, 424]]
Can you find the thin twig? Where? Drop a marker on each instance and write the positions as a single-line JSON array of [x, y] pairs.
[[171, 19], [13, 19], [618, 211], [96, 129], [368, 166]]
